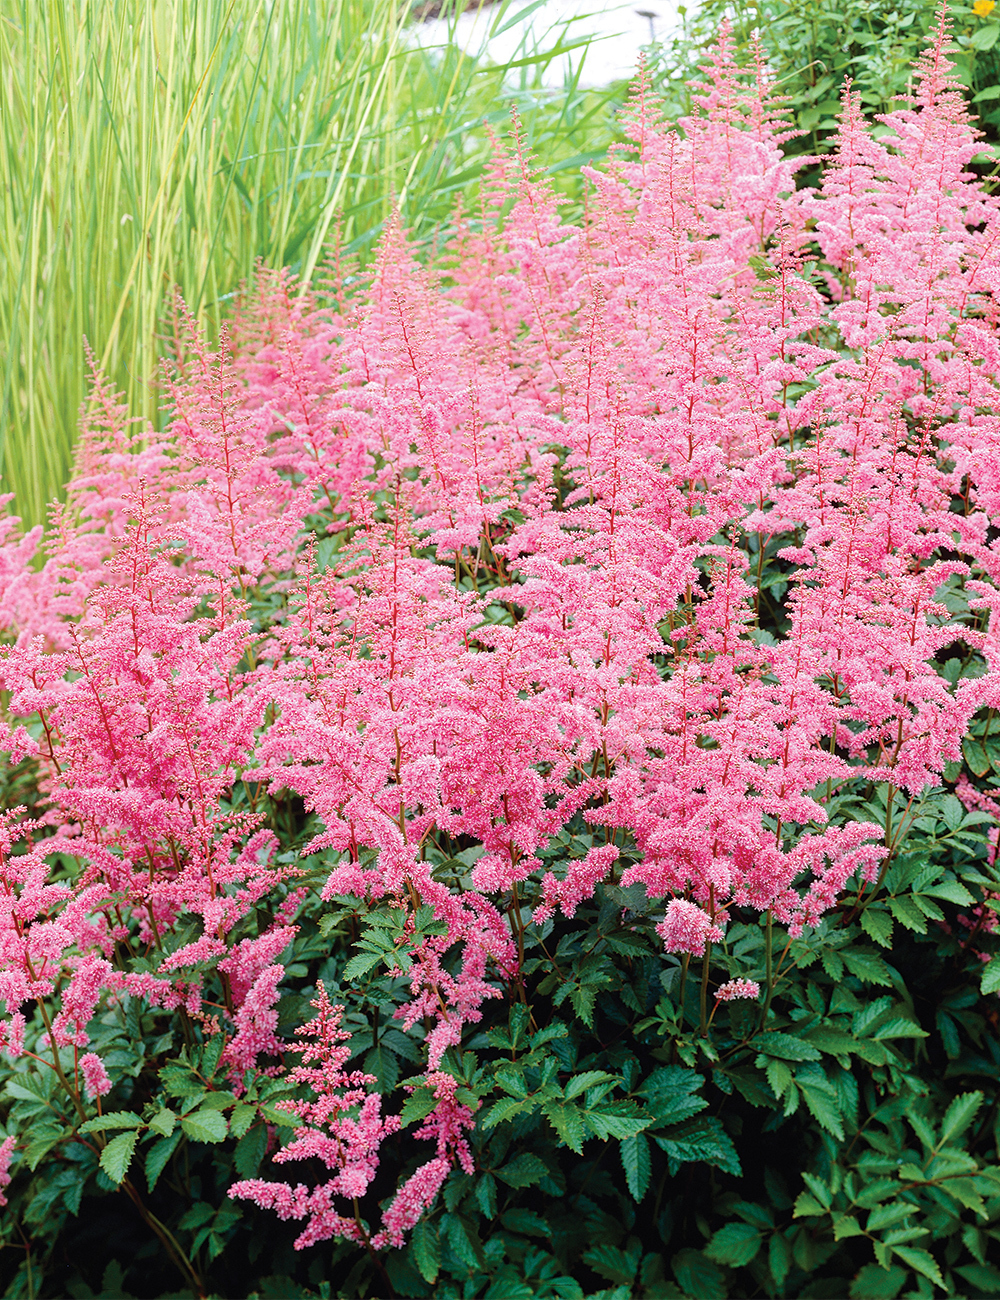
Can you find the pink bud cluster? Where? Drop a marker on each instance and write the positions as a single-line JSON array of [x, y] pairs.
[[662, 521]]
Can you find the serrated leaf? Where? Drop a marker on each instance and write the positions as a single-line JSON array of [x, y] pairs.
[[205, 1126], [805, 1204], [158, 1155], [786, 1047], [834, 1041], [523, 1171], [888, 1215], [615, 1119], [698, 1276], [526, 1222], [846, 1225], [417, 1106], [567, 1122], [241, 1119], [163, 1122], [614, 1264], [735, 1244], [117, 1156], [897, 1027], [877, 925], [990, 980], [700, 1139], [179, 1081], [868, 967], [878, 1282], [637, 1163], [779, 1076], [361, 964], [907, 913], [581, 1082], [276, 1116], [821, 1101], [921, 1261], [426, 1251], [114, 1119], [960, 1115], [779, 1258], [250, 1151], [950, 891], [505, 1108]]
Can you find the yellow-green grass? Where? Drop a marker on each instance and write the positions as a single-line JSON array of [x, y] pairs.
[[149, 144]]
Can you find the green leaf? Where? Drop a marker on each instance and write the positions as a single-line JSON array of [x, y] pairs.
[[417, 1106], [485, 1192], [617, 1265], [888, 1215], [960, 1114], [44, 1137], [250, 1151], [806, 1205], [526, 1222], [876, 1283], [581, 1082], [669, 1094], [990, 981], [698, 1276], [736, 1244], [821, 1099], [426, 1251], [615, 1119], [567, 1122], [779, 1258], [179, 1081], [241, 1119], [361, 964], [700, 1139], [158, 1155], [114, 1119], [117, 1156], [637, 1164], [950, 891], [205, 1126], [523, 1171], [984, 38], [786, 1047], [835, 1041], [877, 925], [846, 1225], [907, 913], [984, 1277], [921, 1261], [867, 966], [899, 1028], [163, 1122]]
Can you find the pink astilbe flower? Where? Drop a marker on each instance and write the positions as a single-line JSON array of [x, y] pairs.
[[733, 989], [256, 1021], [95, 1076], [7, 1149], [686, 927], [343, 1127], [415, 1196]]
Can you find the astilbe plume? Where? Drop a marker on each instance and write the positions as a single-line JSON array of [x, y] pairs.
[[513, 514]]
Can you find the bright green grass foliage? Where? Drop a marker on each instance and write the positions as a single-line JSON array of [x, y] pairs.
[[154, 143]]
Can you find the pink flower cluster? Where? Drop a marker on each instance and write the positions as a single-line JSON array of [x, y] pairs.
[[660, 520], [733, 989]]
